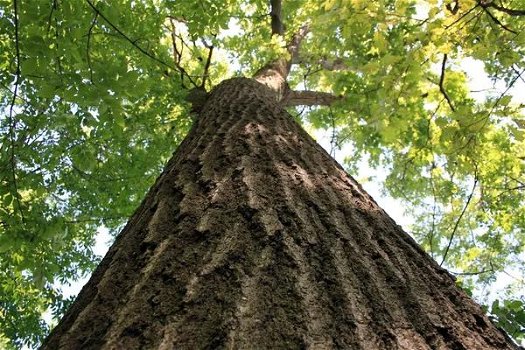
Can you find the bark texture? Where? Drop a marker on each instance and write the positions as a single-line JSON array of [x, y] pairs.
[[255, 238]]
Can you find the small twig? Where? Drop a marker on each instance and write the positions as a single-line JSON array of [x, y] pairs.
[[510, 189], [12, 121], [442, 80], [183, 42], [121, 33], [517, 180], [456, 225], [96, 220], [138, 47], [13, 93], [88, 56], [57, 44], [496, 103], [498, 22], [473, 273], [333, 139], [477, 17], [54, 6], [177, 55], [518, 72], [461, 17], [433, 226], [337, 64], [511, 84]]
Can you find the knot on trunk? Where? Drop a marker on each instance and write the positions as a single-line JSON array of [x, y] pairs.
[[273, 75], [197, 97]]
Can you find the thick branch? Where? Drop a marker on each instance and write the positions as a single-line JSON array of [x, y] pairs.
[[274, 74], [295, 43], [512, 12], [275, 13], [309, 98], [335, 64]]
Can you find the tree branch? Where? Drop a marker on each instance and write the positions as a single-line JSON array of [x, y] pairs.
[[466, 13], [205, 75], [473, 273], [295, 43], [434, 206], [333, 65], [456, 225], [134, 44], [453, 9], [512, 12], [497, 21], [309, 98], [496, 103], [177, 54], [442, 80], [54, 6], [88, 46], [275, 14], [12, 120], [275, 73]]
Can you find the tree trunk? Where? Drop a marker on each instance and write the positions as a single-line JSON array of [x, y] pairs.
[[254, 237]]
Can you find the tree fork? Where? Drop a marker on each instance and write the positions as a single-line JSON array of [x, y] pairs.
[[254, 237]]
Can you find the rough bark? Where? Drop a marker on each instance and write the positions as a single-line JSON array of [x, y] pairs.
[[254, 237]]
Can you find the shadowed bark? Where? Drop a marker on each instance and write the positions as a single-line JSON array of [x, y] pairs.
[[254, 237]]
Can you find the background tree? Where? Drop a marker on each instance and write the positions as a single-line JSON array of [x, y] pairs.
[[88, 96]]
